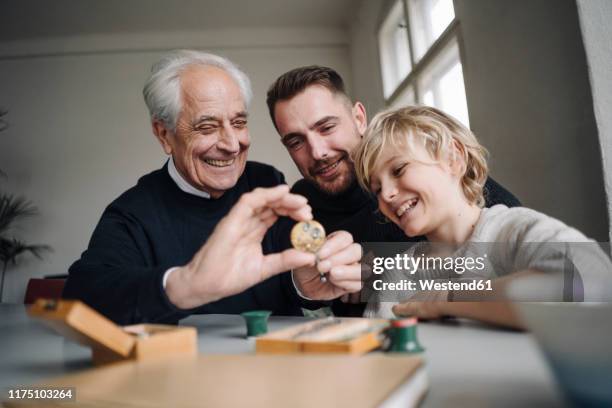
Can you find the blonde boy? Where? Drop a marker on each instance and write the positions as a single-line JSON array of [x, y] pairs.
[[427, 171]]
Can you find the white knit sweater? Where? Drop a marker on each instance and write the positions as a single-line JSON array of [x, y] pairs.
[[518, 239]]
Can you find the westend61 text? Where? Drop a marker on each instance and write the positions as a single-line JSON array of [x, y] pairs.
[[432, 284]]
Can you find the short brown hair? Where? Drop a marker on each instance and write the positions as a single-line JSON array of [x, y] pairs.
[[432, 129], [297, 80]]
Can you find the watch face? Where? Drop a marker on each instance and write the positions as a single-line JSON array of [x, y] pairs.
[[308, 236]]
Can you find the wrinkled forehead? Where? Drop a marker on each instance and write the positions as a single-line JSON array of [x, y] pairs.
[[209, 84]]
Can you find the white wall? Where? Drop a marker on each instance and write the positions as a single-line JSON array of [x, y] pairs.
[[79, 133], [367, 86], [530, 103], [529, 100], [595, 17]]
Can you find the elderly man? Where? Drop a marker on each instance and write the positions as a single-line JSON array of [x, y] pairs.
[[319, 126], [200, 234]]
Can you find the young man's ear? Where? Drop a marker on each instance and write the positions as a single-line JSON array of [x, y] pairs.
[[361, 117], [162, 134]]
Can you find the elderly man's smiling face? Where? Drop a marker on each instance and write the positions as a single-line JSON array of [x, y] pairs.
[[209, 146]]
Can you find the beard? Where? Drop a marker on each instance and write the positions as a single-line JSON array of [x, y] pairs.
[[343, 180]]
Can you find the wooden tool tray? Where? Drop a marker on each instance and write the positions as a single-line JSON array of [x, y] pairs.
[[329, 335], [108, 341]]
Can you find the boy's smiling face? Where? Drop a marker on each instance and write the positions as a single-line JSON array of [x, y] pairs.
[[414, 191]]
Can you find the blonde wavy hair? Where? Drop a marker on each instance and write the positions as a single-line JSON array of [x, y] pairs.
[[433, 129]]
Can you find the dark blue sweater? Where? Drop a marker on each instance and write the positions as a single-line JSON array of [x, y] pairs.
[[154, 226]]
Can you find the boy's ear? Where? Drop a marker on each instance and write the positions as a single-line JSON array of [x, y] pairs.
[[457, 159], [361, 117], [162, 134]]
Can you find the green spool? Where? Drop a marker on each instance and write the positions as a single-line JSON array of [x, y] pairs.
[[256, 321], [403, 333]]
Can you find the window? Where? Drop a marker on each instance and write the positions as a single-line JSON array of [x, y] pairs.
[[420, 59], [394, 49]]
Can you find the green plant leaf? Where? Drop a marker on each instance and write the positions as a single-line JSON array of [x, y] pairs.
[[13, 208], [3, 124], [10, 249]]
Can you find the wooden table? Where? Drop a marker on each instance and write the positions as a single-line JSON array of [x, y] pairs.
[[468, 364]]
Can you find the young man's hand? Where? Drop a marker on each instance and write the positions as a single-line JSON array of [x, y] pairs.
[[339, 260]]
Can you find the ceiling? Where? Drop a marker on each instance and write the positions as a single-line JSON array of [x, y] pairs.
[[28, 19]]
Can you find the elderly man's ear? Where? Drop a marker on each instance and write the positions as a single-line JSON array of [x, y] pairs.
[[163, 135], [360, 117]]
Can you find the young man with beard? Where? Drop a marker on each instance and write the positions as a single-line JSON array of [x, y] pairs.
[[320, 125]]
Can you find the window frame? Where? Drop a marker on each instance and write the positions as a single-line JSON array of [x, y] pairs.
[[387, 47], [451, 34]]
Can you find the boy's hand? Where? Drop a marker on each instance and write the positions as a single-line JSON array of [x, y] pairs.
[[426, 305]]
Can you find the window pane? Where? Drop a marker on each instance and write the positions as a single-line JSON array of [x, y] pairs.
[[428, 19], [452, 94], [428, 97], [442, 13], [405, 98], [441, 84], [394, 49]]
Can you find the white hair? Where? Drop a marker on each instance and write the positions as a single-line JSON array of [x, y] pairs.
[[162, 91]]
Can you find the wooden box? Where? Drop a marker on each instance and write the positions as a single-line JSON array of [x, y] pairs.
[[329, 335], [108, 341]]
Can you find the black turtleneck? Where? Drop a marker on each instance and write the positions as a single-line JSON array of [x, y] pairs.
[[356, 211]]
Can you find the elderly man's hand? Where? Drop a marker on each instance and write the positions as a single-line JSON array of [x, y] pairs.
[[232, 260], [339, 259]]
